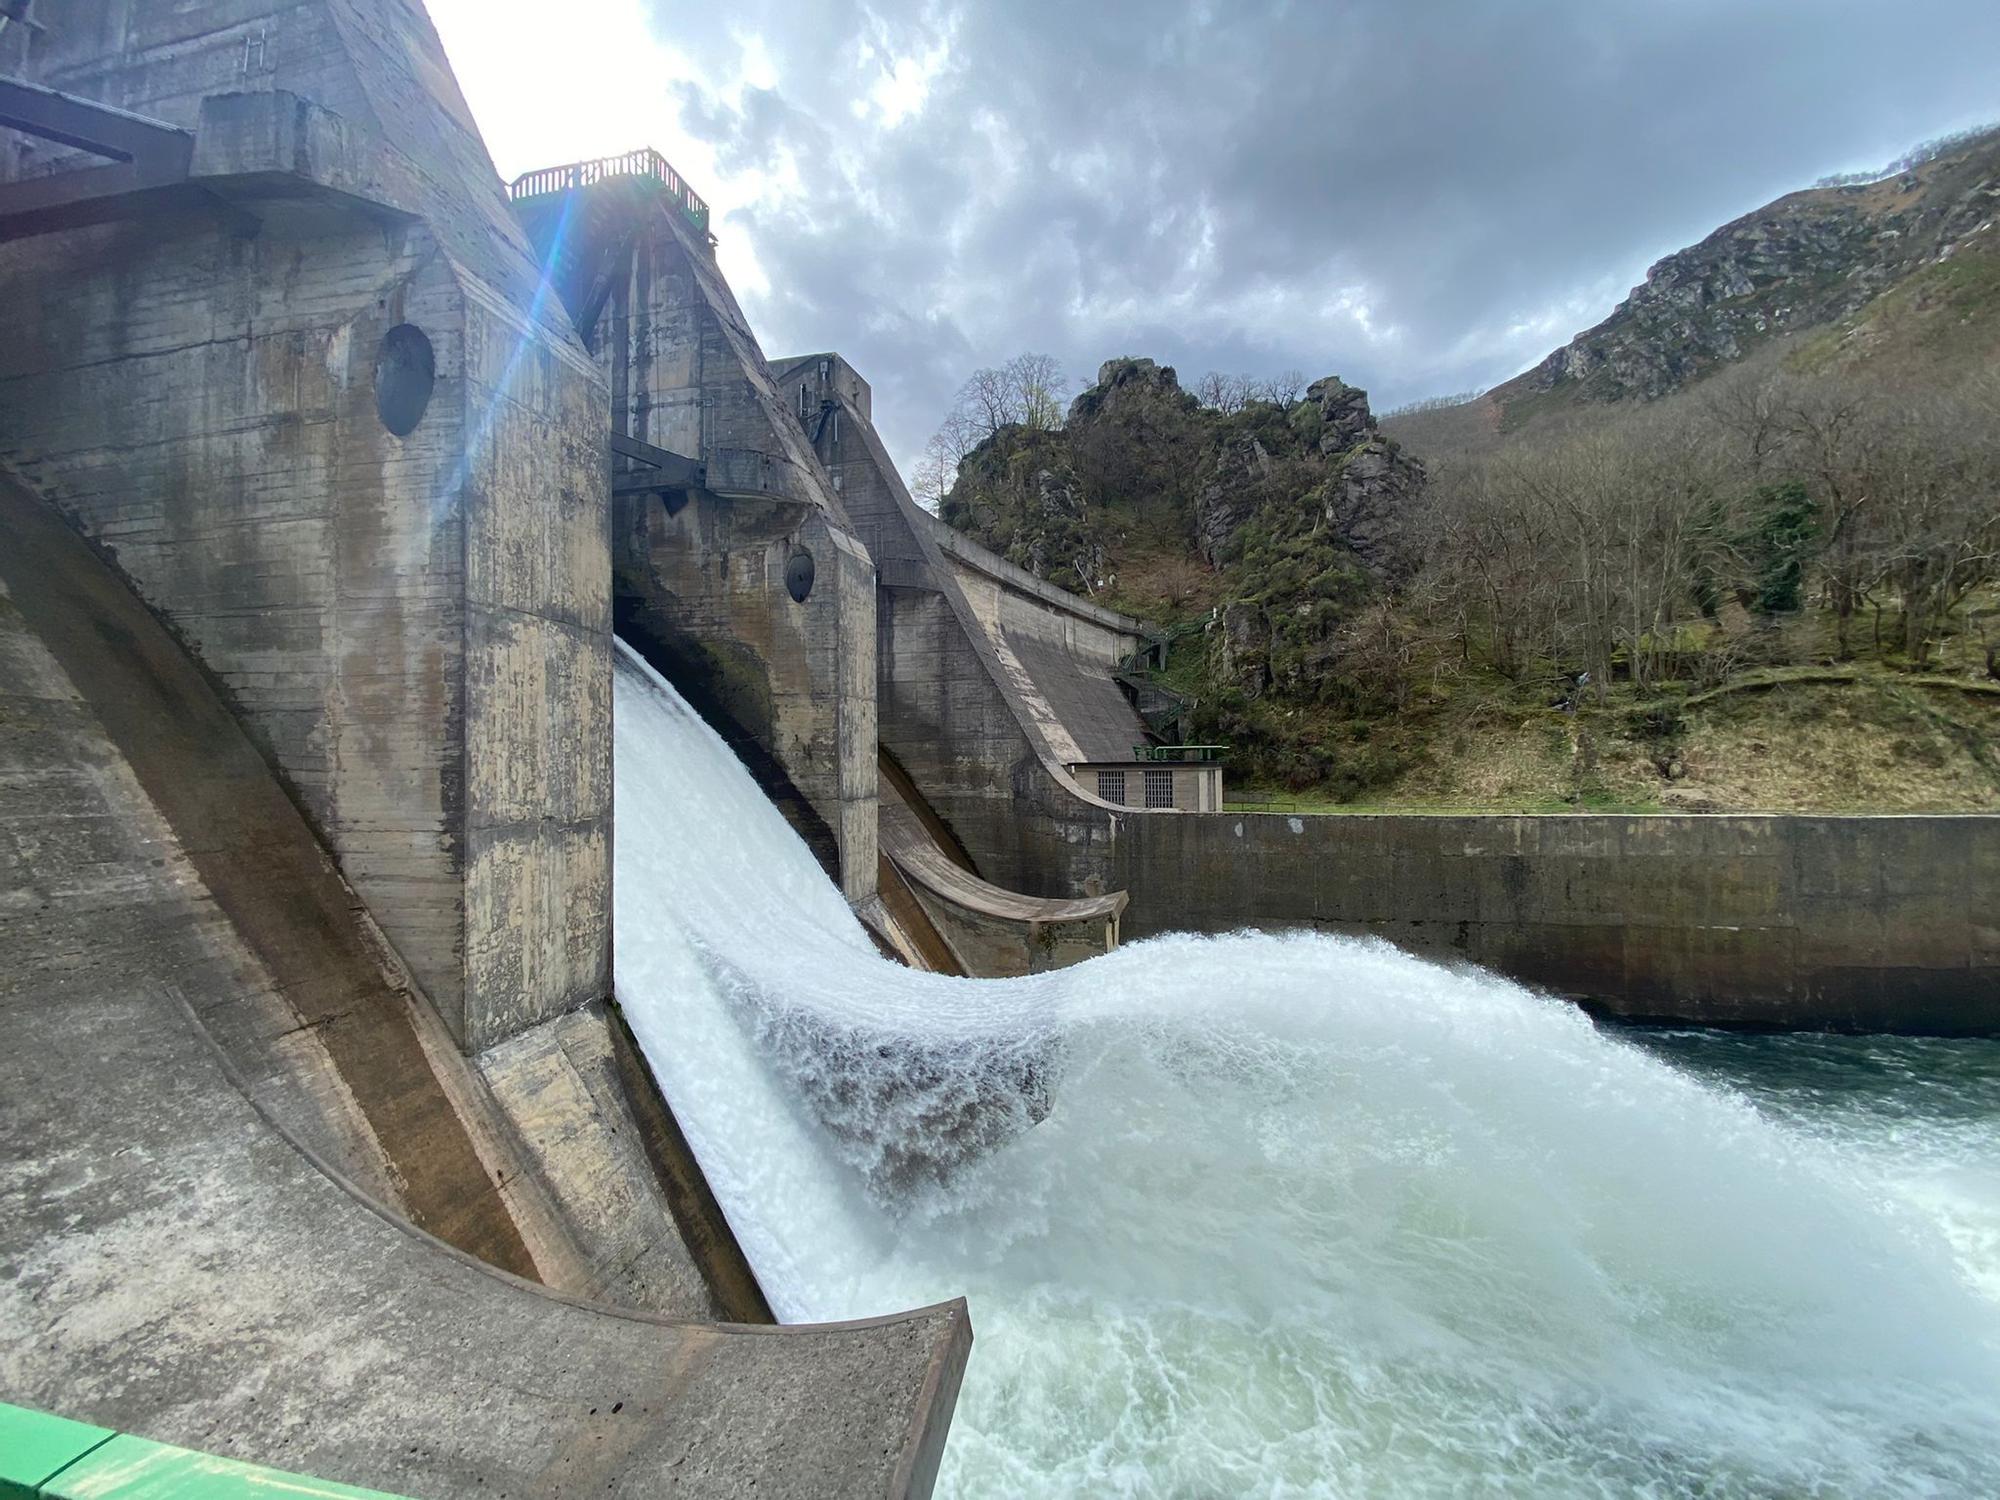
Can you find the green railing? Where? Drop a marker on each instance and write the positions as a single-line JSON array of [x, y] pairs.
[[1179, 752], [646, 164], [52, 1458]]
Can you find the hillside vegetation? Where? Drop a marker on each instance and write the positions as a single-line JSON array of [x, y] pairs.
[[1735, 548]]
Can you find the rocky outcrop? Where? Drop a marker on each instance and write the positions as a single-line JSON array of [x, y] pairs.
[[1128, 386], [1317, 472], [1228, 496], [1370, 503], [1243, 647], [1343, 412], [1327, 446], [1270, 528]]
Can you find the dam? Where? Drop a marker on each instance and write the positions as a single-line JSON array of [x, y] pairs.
[[564, 936]]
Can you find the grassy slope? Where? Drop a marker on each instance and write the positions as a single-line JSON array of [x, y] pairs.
[[1864, 737]]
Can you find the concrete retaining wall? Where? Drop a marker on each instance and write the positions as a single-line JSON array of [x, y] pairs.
[[1889, 923]]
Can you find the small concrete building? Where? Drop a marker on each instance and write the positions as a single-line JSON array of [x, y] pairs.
[[1166, 778]]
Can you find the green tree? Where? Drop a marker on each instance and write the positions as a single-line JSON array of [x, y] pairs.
[[1784, 528]]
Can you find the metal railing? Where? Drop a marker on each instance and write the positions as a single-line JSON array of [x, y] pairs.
[[1179, 753], [646, 163]]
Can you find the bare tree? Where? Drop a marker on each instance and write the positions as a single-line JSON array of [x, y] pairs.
[[1223, 393], [935, 472], [987, 401], [1036, 385], [1281, 389], [1230, 393], [1829, 435], [1027, 391], [1934, 532]]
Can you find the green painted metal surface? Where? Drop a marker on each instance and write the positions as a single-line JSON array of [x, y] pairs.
[[51, 1458], [1179, 753], [35, 1445]]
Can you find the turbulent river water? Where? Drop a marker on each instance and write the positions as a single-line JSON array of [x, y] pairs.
[[1305, 1216]]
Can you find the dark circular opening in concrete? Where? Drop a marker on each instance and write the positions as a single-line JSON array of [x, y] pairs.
[[799, 575], [405, 371]]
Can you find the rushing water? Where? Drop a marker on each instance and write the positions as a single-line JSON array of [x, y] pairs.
[[1306, 1216]]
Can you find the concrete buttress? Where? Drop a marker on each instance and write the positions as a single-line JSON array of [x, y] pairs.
[[318, 409]]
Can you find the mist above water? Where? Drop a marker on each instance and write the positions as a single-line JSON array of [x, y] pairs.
[[1305, 1215]]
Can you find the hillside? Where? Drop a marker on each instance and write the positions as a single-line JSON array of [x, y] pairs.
[[1899, 277], [1737, 547]]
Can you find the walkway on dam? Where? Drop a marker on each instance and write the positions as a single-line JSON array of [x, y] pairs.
[[174, 1264]]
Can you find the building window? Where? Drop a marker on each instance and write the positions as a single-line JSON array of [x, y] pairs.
[[1159, 788], [836, 425], [1111, 786], [802, 403]]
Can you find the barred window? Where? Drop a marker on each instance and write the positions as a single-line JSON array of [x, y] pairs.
[[1159, 789], [1111, 786]]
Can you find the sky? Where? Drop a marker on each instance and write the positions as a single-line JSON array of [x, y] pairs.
[[1421, 196]]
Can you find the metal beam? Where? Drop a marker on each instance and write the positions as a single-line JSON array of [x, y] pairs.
[[145, 164], [661, 469], [101, 129]]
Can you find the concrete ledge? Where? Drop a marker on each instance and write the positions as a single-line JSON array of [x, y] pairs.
[[958, 545]]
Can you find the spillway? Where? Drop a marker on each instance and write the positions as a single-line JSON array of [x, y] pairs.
[[1293, 1215]]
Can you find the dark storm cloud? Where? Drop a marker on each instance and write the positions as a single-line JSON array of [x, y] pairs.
[[1423, 195]]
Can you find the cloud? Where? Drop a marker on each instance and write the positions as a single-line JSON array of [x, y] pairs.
[[1422, 197]]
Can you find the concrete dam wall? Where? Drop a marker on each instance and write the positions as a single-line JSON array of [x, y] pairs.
[[315, 411], [748, 586], [246, 1164], [1846, 924]]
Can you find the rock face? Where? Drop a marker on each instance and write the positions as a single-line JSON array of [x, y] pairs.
[[1806, 260], [1138, 445], [1228, 496], [1370, 501], [1245, 647], [1019, 494], [1059, 536], [1344, 416]]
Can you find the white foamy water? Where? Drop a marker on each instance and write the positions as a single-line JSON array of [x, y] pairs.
[[1305, 1216]]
